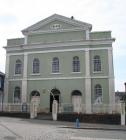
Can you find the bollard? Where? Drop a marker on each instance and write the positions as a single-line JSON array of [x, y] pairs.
[[77, 123]]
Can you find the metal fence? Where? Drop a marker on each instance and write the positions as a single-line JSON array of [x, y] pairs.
[[95, 108], [63, 108], [14, 107]]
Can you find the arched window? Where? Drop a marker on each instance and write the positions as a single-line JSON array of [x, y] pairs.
[[76, 64], [17, 95], [55, 65], [18, 67], [98, 93], [36, 65], [97, 63]]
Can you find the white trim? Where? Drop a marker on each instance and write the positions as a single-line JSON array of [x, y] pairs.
[[24, 80], [110, 62], [87, 82], [87, 35], [25, 65], [15, 79], [88, 95], [53, 73], [7, 65], [16, 75], [57, 31], [25, 40], [97, 72], [111, 94], [24, 91], [35, 74], [76, 72], [6, 85], [111, 81], [63, 50], [87, 62], [62, 78], [58, 44]]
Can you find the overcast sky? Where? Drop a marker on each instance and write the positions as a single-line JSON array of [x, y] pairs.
[[16, 15]]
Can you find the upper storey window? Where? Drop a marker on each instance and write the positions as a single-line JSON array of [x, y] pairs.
[[97, 63], [76, 64], [18, 67], [36, 65], [55, 65]]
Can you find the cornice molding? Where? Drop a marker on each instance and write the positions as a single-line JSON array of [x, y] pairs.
[[52, 51], [58, 45], [56, 31], [61, 78]]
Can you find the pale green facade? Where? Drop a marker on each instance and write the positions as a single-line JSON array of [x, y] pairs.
[[63, 38]]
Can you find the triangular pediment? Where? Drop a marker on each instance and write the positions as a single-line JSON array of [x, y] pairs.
[[56, 23]]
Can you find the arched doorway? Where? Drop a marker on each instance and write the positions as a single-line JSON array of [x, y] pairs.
[[35, 102], [77, 101], [35, 97], [54, 94]]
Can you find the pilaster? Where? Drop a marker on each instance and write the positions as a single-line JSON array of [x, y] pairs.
[[111, 81], [87, 35], [6, 83], [25, 40], [24, 80], [87, 83]]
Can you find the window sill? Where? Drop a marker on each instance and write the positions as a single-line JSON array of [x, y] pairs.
[[35, 74], [97, 72], [56, 73], [75, 72], [17, 74]]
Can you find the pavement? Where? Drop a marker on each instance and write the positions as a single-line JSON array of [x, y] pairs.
[[73, 125], [34, 129]]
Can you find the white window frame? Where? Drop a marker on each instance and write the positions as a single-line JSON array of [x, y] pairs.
[[97, 64], [37, 69], [18, 67], [76, 64], [55, 65]]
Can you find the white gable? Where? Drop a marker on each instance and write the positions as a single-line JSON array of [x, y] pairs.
[[57, 22]]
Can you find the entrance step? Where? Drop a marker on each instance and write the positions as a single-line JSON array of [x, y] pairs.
[[44, 116]]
